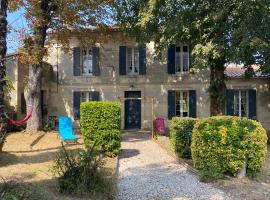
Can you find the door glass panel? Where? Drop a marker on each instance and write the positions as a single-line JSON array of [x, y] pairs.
[[132, 110]]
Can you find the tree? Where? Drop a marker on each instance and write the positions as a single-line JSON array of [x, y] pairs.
[[3, 50], [220, 32], [63, 19]]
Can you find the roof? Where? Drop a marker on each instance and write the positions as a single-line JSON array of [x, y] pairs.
[[238, 71]]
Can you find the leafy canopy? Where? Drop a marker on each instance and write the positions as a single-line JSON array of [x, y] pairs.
[[51, 20], [221, 30]]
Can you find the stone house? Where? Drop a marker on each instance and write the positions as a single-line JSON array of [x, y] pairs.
[[117, 68]]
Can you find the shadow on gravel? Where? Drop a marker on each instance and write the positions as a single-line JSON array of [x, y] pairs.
[[128, 153], [130, 136]]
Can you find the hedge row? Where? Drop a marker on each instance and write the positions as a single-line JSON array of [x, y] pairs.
[[101, 122], [221, 145], [180, 135]]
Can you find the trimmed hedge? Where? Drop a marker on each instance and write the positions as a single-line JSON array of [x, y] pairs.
[[222, 145], [101, 122], [180, 135]]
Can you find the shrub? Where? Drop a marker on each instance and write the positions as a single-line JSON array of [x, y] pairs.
[[19, 190], [222, 145], [81, 172], [100, 121], [180, 135]]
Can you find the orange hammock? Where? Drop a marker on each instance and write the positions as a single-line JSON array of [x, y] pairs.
[[22, 121]]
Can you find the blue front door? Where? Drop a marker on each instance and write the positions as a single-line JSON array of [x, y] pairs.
[[132, 110]]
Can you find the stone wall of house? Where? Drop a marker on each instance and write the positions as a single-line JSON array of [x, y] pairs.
[[155, 84], [111, 85]]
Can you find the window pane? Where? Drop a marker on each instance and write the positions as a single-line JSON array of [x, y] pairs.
[[177, 106], [129, 60], [185, 62], [185, 101], [243, 103], [185, 48], [84, 96], [87, 60], [236, 103], [136, 60], [177, 62]]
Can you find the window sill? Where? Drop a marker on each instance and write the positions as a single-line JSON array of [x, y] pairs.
[[87, 75], [182, 73], [133, 75]]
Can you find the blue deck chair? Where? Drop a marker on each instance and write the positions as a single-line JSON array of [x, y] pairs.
[[65, 129]]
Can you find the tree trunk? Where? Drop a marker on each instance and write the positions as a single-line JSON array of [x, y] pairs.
[[32, 96], [3, 50], [217, 88], [36, 50]]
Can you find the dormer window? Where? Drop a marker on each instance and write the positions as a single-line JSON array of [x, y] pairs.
[[132, 61], [181, 58]]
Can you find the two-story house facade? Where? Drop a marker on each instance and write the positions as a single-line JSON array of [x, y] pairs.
[[119, 70]]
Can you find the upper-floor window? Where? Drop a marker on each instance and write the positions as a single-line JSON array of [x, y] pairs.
[[181, 58], [87, 61], [181, 104], [241, 103], [132, 61]]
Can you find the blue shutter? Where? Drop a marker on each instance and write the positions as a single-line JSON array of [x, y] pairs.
[[96, 68], [142, 60], [94, 96], [122, 60], [171, 104], [192, 104], [171, 59], [76, 61], [230, 102], [252, 104], [76, 104]]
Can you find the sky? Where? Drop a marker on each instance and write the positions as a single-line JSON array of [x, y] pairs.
[[16, 23]]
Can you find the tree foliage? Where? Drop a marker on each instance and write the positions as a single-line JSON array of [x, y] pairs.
[[221, 32]]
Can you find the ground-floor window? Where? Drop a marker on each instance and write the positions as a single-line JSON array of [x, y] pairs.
[[181, 104], [241, 103], [82, 96], [89, 96]]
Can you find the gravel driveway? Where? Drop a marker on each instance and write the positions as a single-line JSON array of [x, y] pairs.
[[146, 171]]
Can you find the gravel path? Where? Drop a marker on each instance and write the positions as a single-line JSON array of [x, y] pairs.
[[147, 172]]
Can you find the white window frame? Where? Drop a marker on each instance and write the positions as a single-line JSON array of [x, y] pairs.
[[82, 61], [133, 61], [182, 58], [239, 114], [181, 105]]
